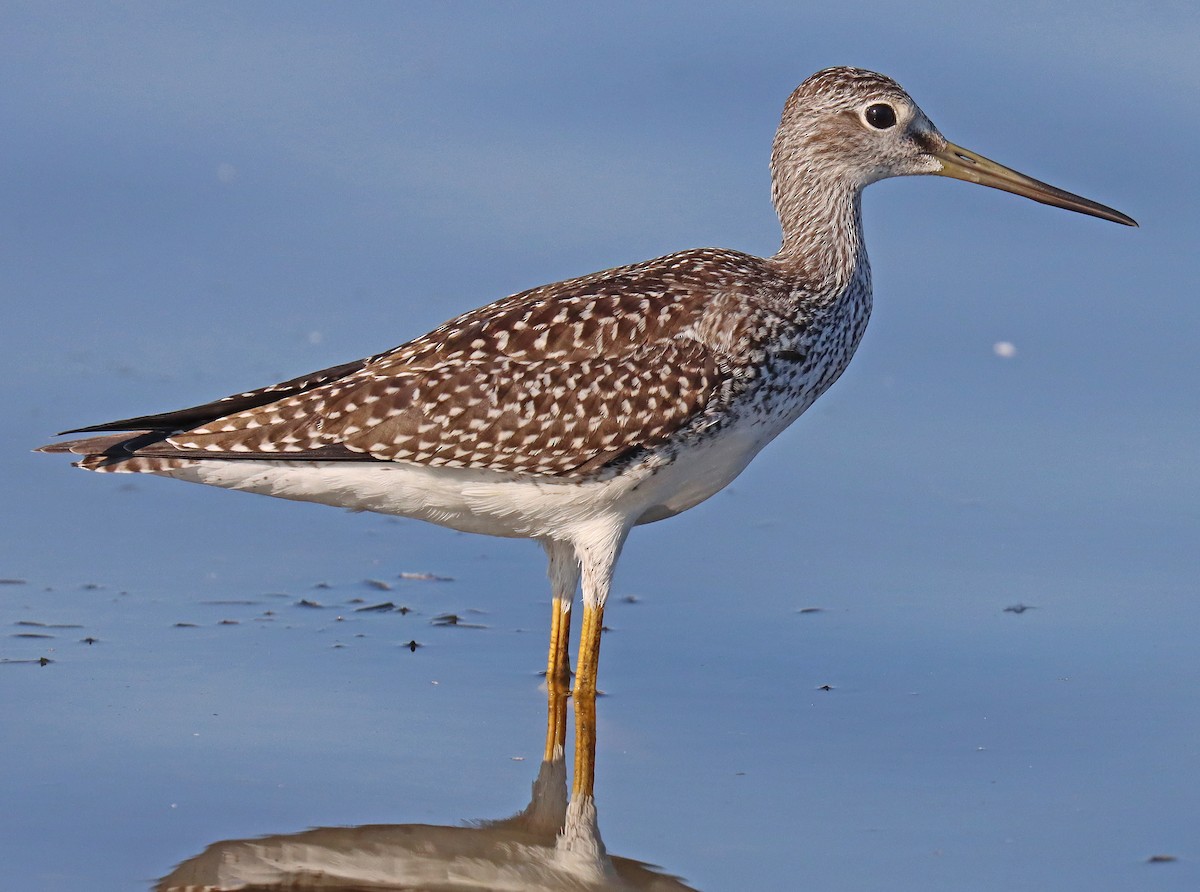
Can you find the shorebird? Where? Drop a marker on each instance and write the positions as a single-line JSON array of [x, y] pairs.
[[572, 412]]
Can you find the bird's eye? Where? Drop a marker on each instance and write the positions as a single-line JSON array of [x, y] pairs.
[[881, 116]]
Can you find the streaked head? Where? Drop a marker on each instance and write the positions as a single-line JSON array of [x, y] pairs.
[[854, 127]]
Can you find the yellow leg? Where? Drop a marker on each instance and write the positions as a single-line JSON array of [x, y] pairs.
[[585, 701], [558, 662], [564, 579], [557, 691], [589, 649], [585, 744]]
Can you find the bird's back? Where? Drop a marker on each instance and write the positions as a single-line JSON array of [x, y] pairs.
[[566, 380]]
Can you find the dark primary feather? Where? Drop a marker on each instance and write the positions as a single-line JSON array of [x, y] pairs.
[[184, 419]]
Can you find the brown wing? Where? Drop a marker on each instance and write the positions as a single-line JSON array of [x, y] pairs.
[[558, 417], [556, 380]]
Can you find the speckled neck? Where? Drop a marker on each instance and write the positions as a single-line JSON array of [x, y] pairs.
[[822, 233]]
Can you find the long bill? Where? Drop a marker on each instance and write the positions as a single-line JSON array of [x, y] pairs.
[[963, 164]]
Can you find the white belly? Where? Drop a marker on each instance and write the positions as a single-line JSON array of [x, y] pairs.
[[492, 502]]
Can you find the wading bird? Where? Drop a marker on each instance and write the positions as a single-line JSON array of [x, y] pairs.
[[573, 412]]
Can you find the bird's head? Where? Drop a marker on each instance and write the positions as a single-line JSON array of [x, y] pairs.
[[848, 127]]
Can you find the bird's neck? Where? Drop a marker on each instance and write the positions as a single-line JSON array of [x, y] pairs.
[[822, 235]]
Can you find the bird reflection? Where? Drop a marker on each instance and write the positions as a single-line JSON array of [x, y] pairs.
[[552, 844]]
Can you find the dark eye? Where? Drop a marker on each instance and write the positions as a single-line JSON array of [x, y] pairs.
[[881, 116]]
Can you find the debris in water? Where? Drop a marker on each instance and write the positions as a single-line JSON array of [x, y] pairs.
[[376, 608], [453, 619], [35, 624]]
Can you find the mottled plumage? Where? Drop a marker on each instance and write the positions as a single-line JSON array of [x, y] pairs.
[[564, 380], [572, 412]]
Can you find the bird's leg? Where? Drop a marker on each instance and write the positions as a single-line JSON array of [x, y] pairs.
[[579, 843], [589, 649], [585, 744], [597, 556], [556, 719], [564, 579]]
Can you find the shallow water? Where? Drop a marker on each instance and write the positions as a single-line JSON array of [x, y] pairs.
[[920, 732], [940, 636]]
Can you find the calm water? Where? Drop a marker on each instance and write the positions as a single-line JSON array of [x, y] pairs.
[[957, 740], [204, 200]]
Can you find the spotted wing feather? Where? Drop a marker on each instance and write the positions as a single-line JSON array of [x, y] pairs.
[[558, 417], [558, 380]]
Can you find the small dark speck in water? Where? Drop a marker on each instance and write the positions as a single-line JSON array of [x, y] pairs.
[[630, 599], [304, 602], [91, 586], [230, 603], [338, 646], [31, 635], [12, 581], [1161, 859], [88, 640], [1018, 608], [380, 584], [412, 645], [185, 625], [404, 611], [825, 687], [322, 585], [386, 605], [811, 610], [268, 613], [228, 622]]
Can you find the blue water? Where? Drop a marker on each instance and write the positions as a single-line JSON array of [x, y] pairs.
[[204, 200]]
